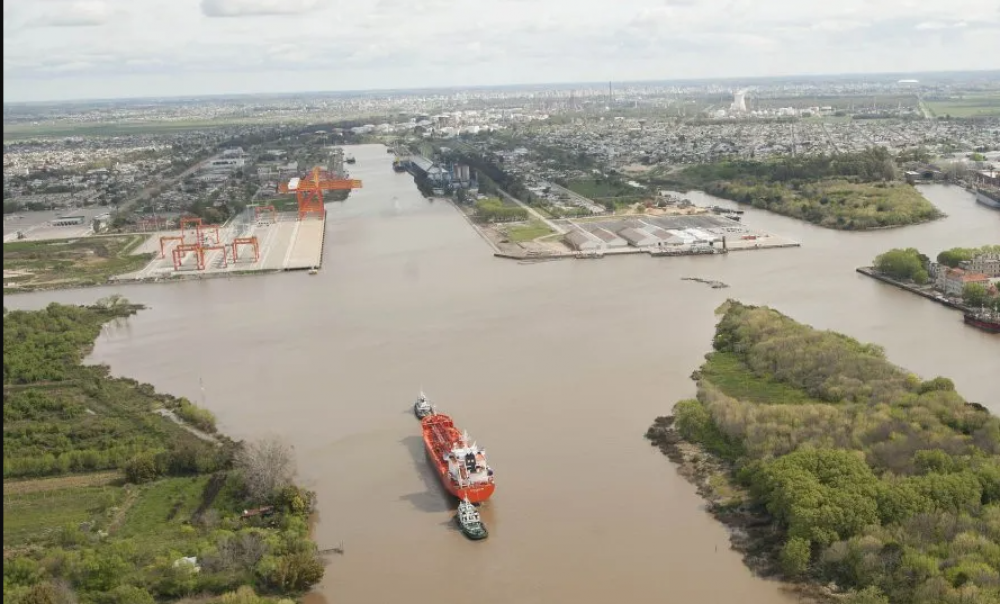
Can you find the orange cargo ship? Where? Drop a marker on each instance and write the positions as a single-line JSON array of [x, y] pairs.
[[462, 466]]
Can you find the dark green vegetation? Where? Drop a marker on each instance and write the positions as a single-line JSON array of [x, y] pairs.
[[845, 468], [64, 263], [72, 533], [851, 191], [909, 265], [904, 265]]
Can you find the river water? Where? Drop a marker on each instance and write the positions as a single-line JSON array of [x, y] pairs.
[[556, 368]]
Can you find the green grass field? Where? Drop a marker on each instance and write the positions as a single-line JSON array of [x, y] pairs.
[[160, 516], [61, 263], [731, 375], [983, 105], [37, 515], [528, 232]]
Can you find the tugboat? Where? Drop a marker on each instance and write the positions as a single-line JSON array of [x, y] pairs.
[[422, 408], [469, 521]]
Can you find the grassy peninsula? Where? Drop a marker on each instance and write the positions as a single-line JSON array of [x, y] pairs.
[[849, 191], [108, 484], [847, 474], [65, 263]]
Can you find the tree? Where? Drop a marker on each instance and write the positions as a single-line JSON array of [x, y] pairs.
[[902, 264], [795, 556], [868, 595], [975, 294], [265, 466], [141, 468]]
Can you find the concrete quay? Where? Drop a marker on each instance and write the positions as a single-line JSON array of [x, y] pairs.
[[283, 245], [870, 272]]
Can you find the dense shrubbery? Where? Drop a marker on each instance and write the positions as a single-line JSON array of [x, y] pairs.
[[882, 481], [127, 550], [852, 191], [63, 417]]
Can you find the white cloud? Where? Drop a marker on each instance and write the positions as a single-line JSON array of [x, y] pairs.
[[160, 47], [80, 13], [256, 8]]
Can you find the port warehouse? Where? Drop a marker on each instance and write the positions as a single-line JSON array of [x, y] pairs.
[[650, 232]]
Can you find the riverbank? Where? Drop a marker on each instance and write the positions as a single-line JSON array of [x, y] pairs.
[[790, 443], [112, 489], [928, 293], [174, 278]]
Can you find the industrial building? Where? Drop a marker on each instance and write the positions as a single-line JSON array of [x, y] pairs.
[[610, 239], [638, 237], [657, 232], [443, 176], [582, 240]]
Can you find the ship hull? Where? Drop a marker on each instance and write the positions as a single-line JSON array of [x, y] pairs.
[[986, 200], [987, 326], [439, 434]]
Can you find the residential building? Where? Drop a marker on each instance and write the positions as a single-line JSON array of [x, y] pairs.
[[955, 279], [987, 264]]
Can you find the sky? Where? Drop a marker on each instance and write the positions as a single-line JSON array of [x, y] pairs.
[[79, 49]]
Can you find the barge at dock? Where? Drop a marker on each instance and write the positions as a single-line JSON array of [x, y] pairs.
[[460, 464], [987, 320]]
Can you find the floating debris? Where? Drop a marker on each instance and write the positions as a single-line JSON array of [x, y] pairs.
[[713, 284]]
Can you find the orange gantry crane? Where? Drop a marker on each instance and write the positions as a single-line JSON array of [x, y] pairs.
[[309, 190]]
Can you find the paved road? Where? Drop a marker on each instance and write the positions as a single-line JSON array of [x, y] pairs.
[[163, 184], [555, 227]]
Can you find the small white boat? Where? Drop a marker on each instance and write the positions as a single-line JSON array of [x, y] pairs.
[[314, 271], [422, 408]]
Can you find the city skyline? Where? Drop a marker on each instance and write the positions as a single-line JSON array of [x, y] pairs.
[[102, 49]]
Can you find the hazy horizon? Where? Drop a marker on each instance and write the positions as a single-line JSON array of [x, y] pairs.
[[749, 80], [65, 50]]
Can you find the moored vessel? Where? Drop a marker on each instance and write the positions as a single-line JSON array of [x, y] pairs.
[[470, 522], [987, 320], [990, 200], [461, 464], [422, 408]]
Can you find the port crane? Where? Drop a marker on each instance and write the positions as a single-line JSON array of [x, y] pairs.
[[309, 190]]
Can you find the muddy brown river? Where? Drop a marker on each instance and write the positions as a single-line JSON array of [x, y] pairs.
[[557, 369]]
